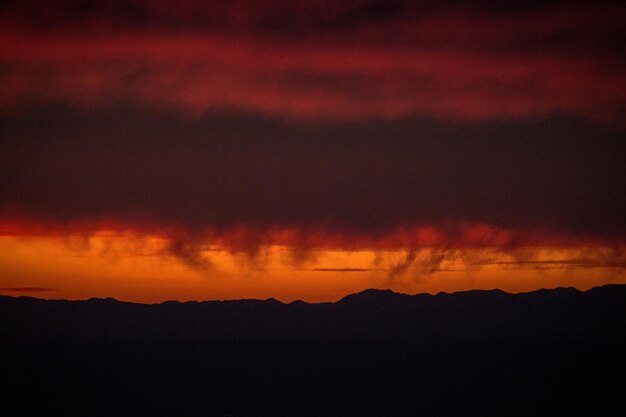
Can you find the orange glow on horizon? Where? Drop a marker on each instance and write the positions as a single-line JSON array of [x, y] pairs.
[[139, 267]]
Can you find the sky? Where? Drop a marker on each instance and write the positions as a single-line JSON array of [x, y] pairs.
[[192, 150]]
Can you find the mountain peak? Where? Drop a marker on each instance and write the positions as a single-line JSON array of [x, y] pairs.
[[372, 295], [109, 300]]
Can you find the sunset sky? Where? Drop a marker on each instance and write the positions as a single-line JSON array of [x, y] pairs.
[[195, 150]]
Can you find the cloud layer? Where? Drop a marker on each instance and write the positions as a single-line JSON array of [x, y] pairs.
[[317, 59], [359, 124], [131, 165]]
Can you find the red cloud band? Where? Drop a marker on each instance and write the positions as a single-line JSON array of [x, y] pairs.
[[446, 65], [249, 238]]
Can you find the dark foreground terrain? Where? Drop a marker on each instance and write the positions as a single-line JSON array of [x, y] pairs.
[[550, 352]]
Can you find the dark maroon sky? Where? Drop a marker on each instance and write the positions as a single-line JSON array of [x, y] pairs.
[[363, 116]]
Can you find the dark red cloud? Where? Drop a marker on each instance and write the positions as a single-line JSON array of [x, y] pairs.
[[249, 238], [230, 169], [317, 59], [315, 123], [27, 289]]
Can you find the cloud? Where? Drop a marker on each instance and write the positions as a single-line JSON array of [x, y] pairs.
[[126, 167], [319, 60], [342, 269], [399, 255], [27, 289], [564, 264], [401, 267], [315, 124], [190, 253], [523, 257]]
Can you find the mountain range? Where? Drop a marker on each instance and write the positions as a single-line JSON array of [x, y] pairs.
[[555, 314]]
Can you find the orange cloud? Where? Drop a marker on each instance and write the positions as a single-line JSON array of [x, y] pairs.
[[142, 265], [142, 268]]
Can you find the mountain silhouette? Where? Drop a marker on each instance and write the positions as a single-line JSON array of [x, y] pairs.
[[375, 353], [557, 314]]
